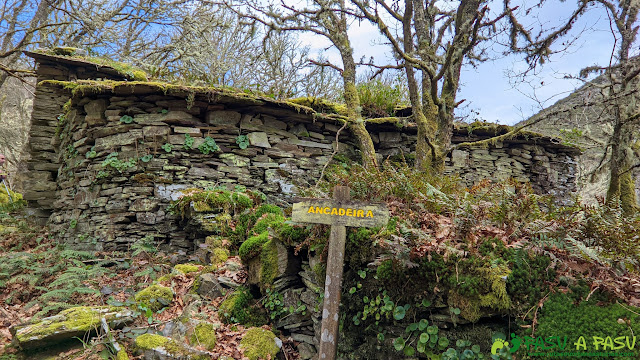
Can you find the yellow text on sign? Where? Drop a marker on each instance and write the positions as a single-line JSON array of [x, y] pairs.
[[346, 213], [339, 211]]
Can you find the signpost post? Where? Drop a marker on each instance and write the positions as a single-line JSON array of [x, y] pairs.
[[338, 212]]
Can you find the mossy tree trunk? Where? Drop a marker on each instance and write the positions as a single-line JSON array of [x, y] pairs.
[[623, 97], [621, 183], [328, 18], [354, 107], [438, 59]]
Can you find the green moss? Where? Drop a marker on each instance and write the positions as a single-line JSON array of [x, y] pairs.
[[247, 220], [385, 270], [290, 235], [529, 279], [239, 307], [213, 241], [122, 355], [4, 198], [269, 220], [150, 341], [204, 334], [259, 344], [82, 318], [253, 246], [155, 297], [212, 200], [561, 316], [187, 268], [219, 256], [269, 263], [166, 277], [320, 105]]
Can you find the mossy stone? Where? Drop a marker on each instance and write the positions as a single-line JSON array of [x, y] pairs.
[[187, 268], [204, 334], [150, 341], [259, 344], [219, 256], [122, 355], [155, 297], [170, 347], [238, 308], [268, 221], [68, 323], [213, 241], [253, 246], [269, 263]]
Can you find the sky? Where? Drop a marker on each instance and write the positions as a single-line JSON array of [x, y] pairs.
[[489, 93]]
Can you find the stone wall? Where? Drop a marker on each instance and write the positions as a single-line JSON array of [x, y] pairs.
[[107, 158]]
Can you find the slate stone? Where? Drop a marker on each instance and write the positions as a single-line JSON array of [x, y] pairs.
[[259, 139], [210, 286]]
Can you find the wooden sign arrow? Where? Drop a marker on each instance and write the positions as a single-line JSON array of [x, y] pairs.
[[338, 212]]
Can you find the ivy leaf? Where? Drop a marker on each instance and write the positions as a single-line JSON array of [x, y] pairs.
[[423, 324], [398, 344], [424, 338], [399, 313], [409, 351], [126, 119]]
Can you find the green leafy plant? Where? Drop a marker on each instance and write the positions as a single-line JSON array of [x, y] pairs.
[[209, 145], [146, 158], [242, 141], [167, 147], [379, 98], [113, 162], [126, 119], [144, 245], [188, 142], [91, 153]]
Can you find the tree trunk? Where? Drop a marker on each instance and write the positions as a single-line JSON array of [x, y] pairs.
[[621, 183], [356, 123]]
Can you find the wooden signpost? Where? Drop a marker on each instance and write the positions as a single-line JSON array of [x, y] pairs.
[[338, 212]]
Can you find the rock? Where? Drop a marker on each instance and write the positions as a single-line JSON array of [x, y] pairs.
[[174, 329], [303, 338], [227, 282], [306, 351], [259, 343], [259, 139], [299, 130], [157, 347], [390, 137], [204, 334], [223, 118], [155, 297], [209, 286], [70, 323], [146, 205]]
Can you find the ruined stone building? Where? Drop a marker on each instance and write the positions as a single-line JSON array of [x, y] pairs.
[[107, 152]]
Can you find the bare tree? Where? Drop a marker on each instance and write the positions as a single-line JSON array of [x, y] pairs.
[[620, 98], [330, 19], [433, 40], [20, 23]]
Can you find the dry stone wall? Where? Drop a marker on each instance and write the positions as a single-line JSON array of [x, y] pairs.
[[108, 158]]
